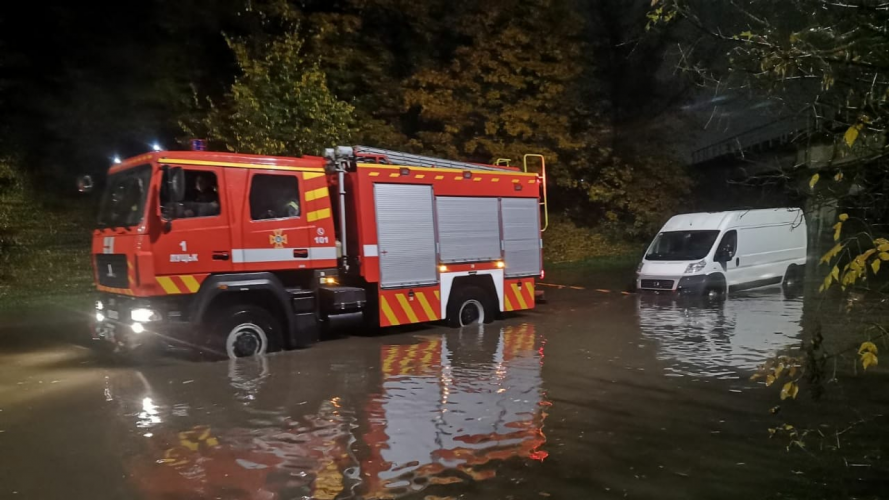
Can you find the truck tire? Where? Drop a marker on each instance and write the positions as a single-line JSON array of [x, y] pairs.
[[469, 305], [245, 330]]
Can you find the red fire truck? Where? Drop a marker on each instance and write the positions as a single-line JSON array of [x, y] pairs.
[[239, 254]]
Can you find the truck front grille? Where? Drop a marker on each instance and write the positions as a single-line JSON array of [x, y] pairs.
[[112, 270]]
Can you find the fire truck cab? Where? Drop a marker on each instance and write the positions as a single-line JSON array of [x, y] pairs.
[[240, 254]]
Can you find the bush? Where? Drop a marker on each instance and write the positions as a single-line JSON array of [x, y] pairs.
[[564, 241], [44, 251]]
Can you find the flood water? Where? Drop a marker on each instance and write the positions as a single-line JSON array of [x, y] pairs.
[[593, 395]]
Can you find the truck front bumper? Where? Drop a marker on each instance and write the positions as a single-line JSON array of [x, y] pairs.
[[115, 325]]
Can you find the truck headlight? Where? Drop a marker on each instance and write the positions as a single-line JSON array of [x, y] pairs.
[[100, 306], [144, 315], [696, 267]]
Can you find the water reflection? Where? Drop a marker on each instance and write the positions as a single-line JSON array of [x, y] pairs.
[[450, 405], [441, 409], [727, 340]]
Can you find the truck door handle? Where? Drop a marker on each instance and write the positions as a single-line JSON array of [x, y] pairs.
[[737, 262], [220, 256]]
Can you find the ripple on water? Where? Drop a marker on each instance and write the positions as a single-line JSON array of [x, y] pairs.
[[723, 341]]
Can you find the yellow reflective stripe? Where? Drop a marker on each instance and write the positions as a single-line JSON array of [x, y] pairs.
[[374, 174], [508, 303], [319, 214], [312, 175], [390, 357], [317, 193], [406, 306], [168, 285], [437, 295], [394, 174], [439, 177], [387, 311], [190, 283], [477, 179], [409, 356], [531, 286], [425, 304], [245, 165], [495, 179], [518, 296], [420, 176]]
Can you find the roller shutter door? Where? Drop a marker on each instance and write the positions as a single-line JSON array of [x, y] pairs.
[[405, 234], [521, 236], [468, 229]]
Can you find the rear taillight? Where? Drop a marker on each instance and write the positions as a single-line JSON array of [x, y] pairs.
[[542, 274]]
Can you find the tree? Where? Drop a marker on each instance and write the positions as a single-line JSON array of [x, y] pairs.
[[830, 61], [280, 103]]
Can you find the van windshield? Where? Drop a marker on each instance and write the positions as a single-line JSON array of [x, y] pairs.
[[682, 245]]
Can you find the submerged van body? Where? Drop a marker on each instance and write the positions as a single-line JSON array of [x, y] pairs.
[[717, 253]]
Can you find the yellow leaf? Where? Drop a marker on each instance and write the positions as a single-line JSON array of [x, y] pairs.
[[838, 177], [792, 372], [884, 255], [868, 359], [833, 252], [813, 181], [844, 217], [851, 135], [837, 228], [875, 265], [779, 370], [881, 241], [868, 347], [789, 390], [835, 272], [770, 380], [756, 376]]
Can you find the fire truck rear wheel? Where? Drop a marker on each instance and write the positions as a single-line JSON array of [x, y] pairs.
[[469, 306], [246, 330]]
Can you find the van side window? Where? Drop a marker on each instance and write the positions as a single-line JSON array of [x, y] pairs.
[[729, 245], [274, 197], [201, 196]]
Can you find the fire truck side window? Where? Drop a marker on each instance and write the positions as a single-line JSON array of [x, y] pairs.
[[201, 196], [274, 197]]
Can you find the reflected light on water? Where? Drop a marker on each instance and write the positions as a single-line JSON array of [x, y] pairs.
[[725, 341]]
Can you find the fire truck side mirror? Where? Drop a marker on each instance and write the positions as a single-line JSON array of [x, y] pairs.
[[85, 184], [176, 180]]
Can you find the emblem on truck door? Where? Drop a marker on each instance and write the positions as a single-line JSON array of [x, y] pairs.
[[278, 239]]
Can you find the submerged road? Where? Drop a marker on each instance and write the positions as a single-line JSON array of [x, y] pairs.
[[593, 395]]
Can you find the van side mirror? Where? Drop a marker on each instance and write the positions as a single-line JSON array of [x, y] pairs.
[[176, 184]]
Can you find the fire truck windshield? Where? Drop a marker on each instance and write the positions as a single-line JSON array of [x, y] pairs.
[[123, 202]]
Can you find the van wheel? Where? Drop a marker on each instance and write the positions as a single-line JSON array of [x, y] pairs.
[[243, 331], [469, 306], [715, 290], [792, 284]]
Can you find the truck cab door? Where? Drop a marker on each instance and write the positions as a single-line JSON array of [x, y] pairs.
[[275, 227], [197, 240]]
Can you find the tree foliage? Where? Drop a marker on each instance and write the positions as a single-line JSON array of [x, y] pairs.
[[279, 104]]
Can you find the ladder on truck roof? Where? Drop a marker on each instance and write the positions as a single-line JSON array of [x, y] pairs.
[[367, 154]]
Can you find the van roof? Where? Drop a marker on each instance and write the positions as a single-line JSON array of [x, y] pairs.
[[737, 218]]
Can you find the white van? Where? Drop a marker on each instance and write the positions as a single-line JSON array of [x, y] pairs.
[[716, 253]]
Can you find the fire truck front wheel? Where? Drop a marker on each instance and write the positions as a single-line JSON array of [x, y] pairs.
[[470, 305], [246, 330]]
